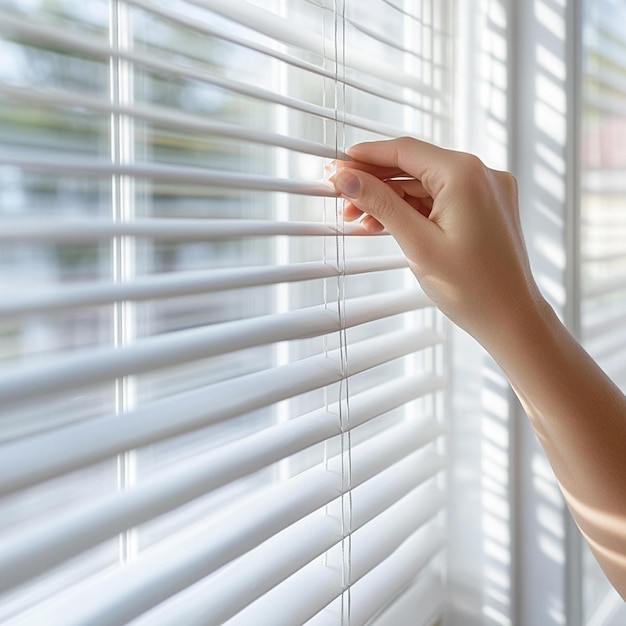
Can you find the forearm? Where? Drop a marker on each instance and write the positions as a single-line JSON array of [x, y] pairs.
[[579, 416]]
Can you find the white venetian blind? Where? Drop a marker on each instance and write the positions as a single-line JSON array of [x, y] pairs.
[[220, 403], [603, 213]]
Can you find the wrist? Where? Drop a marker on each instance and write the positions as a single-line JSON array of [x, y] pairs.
[[524, 321]]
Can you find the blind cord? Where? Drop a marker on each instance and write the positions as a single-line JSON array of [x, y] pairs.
[[123, 248], [339, 30]]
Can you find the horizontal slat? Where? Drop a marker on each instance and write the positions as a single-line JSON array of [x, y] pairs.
[[227, 35], [611, 347], [606, 326], [207, 607], [69, 372], [62, 165], [424, 599], [300, 597], [402, 10], [608, 182], [234, 597], [171, 119], [127, 592], [226, 464], [257, 572], [608, 255], [610, 106], [39, 230], [170, 569], [100, 438], [390, 43], [605, 287], [281, 28], [42, 34], [46, 299]]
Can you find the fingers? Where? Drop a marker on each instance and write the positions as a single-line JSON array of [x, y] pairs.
[[411, 191], [351, 212], [408, 187], [383, 206], [370, 224], [428, 163], [384, 173]]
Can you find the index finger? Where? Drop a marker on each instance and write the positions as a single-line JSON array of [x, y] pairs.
[[422, 160], [384, 173]]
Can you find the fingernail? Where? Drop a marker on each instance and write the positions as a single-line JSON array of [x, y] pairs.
[[330, 171], [347, 184]]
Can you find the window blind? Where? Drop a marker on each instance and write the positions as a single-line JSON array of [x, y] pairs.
[[220, 403], [602, 254]]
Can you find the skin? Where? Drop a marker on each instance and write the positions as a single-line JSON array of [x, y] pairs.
[[458, 224]]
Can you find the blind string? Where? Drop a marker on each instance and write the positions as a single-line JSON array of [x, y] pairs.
[[325, 201], [325, 122], [339, 31], [123, 247]]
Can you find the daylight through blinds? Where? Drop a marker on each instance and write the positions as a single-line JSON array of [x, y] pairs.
[[220, 403]]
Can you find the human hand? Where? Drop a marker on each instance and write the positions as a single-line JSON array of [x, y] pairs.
[[456, 220]]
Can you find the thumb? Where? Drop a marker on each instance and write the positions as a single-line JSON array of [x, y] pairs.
[[368, 193]]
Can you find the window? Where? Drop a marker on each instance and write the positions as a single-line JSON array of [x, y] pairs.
[[219, 400], [603, 219], [220, 403]]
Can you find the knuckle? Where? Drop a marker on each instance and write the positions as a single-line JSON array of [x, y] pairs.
[[508, 182], [471, 165], [474, 171], [406, 141], [404, 145], [470, 172], [512, 183]]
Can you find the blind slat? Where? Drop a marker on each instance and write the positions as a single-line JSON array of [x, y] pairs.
[[109, 435], [607, 326], [248, 578], [387, 41], [222, 33], [609, 349], [171, 119], [164, 229], [605, 287], [61, 165], [282, 29], [100, 364], [302, 596], [51, 36], [130, 591], [606, 104], [54, 453], [374, 592], [48, 300]]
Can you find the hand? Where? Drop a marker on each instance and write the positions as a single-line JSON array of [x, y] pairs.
[[456, 220]]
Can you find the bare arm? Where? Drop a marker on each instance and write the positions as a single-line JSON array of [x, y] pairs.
[[457, 222]]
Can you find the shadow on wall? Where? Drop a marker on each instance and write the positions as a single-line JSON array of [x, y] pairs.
[[508, 568], [543, 120]]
